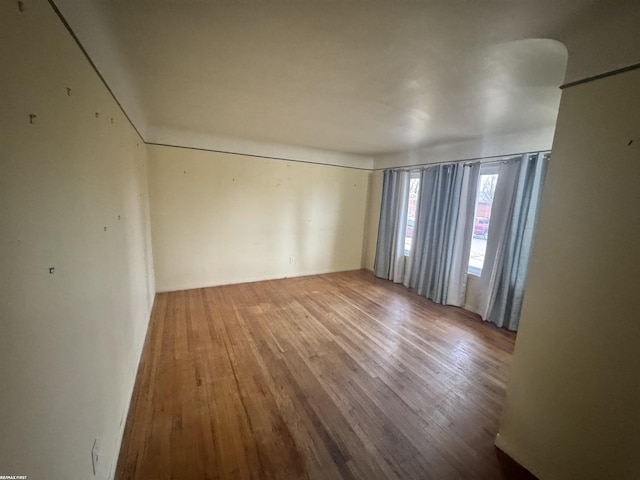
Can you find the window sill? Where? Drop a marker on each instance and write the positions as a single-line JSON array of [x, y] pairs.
[[474, 271]]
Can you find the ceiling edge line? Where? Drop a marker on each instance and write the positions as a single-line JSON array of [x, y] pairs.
[[258, 156], [77, 41], [93, 65], [599, 76]]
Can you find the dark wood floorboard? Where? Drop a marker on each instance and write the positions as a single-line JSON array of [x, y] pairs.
[[338, 376]]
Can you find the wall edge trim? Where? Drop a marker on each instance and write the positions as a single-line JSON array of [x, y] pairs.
[[93, 65], [229, 152], [599, 76]]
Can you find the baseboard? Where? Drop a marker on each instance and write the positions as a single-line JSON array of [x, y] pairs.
[[125, 413], [279, 276]]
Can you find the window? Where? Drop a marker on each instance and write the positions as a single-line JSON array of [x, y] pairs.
[[487, 181], [414, 187]]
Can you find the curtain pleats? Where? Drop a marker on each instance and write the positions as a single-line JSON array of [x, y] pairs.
[[432, 254], [457, 291], [518, 204], [390, 260], [438, 262]]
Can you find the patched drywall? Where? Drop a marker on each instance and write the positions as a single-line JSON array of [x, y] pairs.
[[220, 218], [77, 281]]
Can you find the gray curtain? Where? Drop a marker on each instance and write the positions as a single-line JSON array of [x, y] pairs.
[[513, 221], [457, 291], [390, 261], [433, 251]]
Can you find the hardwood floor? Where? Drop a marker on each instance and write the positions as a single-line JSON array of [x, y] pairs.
[[325, 377]]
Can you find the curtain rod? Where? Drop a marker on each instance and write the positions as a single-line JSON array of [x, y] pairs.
[[468, 161]]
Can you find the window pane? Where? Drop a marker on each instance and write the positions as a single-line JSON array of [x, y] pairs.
[[414, 186], [482, 218]]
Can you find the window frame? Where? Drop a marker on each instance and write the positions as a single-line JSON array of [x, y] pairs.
[[485, 170], [414, 175]]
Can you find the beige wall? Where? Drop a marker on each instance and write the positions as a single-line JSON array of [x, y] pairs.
[[374, 200], [572, 405], [220, 218], [69, 341]]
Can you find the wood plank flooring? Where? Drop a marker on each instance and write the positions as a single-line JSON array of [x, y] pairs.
[[338, 376]]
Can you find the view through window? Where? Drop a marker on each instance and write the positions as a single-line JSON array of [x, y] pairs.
[[414, 186], [484, 201]]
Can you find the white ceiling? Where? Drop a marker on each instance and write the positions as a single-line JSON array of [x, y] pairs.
[[361, 77]]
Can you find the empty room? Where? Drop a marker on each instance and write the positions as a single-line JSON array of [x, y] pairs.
[[308, 239]]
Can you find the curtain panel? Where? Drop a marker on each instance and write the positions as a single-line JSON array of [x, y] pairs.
[[389, 262], [442, 232], [439, 259], [513, 221], [457, 290]]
